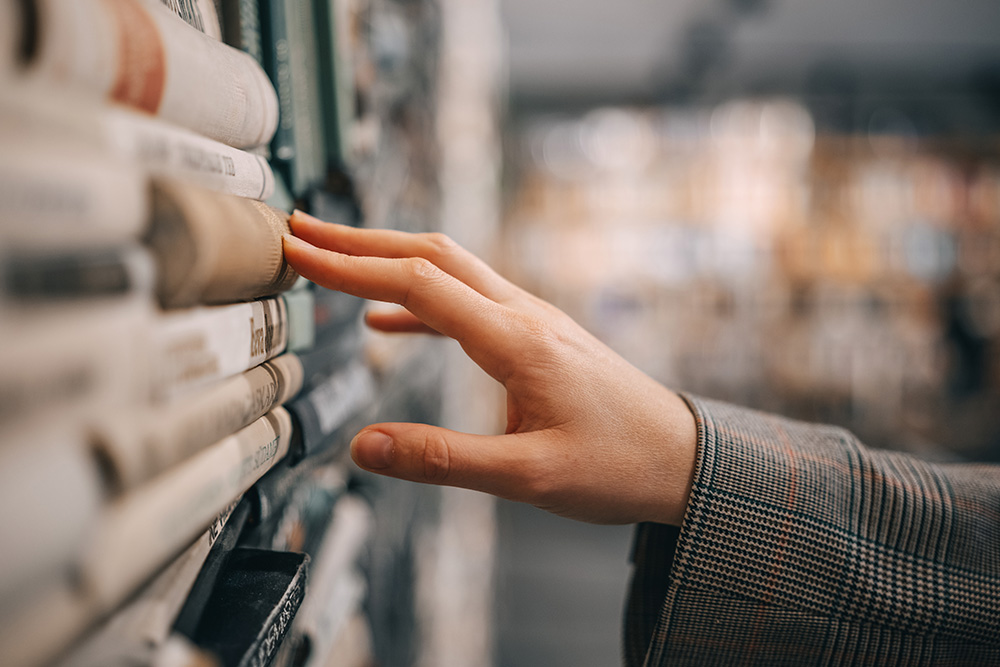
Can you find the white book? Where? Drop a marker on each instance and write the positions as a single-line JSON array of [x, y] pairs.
[[70, 361], [139, 53], [44, 117], [194, 347], [137, 444], [200, 14], [51, 493], [142, 530], [57, 196]]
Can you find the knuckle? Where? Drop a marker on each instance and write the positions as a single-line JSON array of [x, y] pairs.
[[421, 270], [441, 244], [436, 458]]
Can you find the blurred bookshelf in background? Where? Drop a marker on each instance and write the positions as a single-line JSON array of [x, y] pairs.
[[736, 252]]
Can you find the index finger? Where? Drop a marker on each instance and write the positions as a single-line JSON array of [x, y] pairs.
[[484, 328]]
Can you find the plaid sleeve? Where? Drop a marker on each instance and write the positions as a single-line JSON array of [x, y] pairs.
[[802, 547]]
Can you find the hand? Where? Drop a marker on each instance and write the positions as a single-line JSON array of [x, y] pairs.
[[588, 435]]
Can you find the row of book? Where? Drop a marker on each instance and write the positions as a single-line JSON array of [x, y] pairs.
[[175, 400]]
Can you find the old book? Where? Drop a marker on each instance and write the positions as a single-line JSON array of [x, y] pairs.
[[301, 305], [143, 529], [140, 629], [194, 347], [51, 492], [214, 248], [28, 277], [139, 443], [139, 53], [54, 196], [336, 586], [72, 361], [43, 627], [322, 411], [241, 27], [200, 14], [42, 116], [254, 602]]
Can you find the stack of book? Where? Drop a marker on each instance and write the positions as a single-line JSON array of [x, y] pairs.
[[159, 504]]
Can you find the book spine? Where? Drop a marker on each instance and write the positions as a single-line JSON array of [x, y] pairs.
[[309, 165], [143, 529], [13, 32], [74, 362], [301, 319], [142, 443], [31, 278], [139, 629], [214, 248], [138, 53], [165, 150], [199, 14], [51, 492], [74, 199], [336, 589], [336, 70], [329, 405], [197, 346], [276, 53], [242, 27]]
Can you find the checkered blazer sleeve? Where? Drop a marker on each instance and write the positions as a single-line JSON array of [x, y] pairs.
[[800, 546]]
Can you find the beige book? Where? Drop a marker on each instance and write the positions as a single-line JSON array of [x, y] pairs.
[[43, 117], [200, 14], [139, 53], [139, 630], [40, 629], [194, 347], [142, 530], [51, 492], [139, 444], [11, 36], [214, 248]]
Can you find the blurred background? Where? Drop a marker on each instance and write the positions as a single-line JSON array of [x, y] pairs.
[[788, 205]]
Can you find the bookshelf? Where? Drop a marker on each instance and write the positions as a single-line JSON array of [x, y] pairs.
[[175, 403]]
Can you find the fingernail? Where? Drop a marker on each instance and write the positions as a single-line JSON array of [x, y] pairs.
[[288, 239], [372, 450]]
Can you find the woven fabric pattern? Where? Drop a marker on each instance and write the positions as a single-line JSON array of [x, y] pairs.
[[800, 546]]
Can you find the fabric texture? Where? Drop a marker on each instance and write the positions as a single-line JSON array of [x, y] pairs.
[[800, 546]]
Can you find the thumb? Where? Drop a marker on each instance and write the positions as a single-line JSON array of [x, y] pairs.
[[499, 464]]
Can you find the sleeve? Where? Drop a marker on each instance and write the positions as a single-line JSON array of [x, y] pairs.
[[800, 546]]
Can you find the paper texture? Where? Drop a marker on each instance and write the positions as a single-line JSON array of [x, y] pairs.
[[194, 347], [141, 443], [214, 248], [143, 529], [138, 53]]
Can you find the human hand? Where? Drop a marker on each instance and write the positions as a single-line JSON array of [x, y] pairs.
[[588, 435]]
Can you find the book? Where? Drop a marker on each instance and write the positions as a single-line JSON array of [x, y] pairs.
[[336, 74], [336, 586], [55, 196], [301, 305], [329, 405], [35, 277], [143, 529], [71, 361], [298, 149], [51, 493], [140, 629], [139, 53], [200, 14], [44, 116], [137, 444], [241, 27], [196, 346], [252, 606], [215, 248]]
